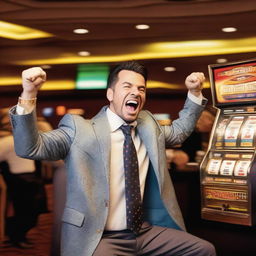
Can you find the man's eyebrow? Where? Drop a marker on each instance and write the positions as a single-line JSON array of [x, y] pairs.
[[127, 83], [142, 85]]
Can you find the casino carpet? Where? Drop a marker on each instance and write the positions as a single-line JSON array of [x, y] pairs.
[[40, 235]]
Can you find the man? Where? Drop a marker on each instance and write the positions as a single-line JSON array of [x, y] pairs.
[[94, 218]]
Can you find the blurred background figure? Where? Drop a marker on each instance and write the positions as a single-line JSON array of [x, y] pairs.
[[195, 146], [2, 206], [43, 125], [177, 157], [25, 189]]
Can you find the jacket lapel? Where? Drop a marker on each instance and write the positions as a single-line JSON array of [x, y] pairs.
[[102, 132], [150, 135]]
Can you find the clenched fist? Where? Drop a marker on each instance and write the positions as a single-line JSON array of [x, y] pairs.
[[194, 82], [32, 81]]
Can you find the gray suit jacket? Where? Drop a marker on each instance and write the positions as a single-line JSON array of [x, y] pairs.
[[85, 147]]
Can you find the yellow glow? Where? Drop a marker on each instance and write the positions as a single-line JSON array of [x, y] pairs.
[[4, 81], [49, 85], [18, 32], [184, 45], [158, 84], [206, 85], [59, 85], [161, 50], [70, 84]]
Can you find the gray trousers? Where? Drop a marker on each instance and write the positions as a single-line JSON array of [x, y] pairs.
[[153, 241]]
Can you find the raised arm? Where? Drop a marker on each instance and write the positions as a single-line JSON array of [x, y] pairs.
[[29, 143], [182, 127]]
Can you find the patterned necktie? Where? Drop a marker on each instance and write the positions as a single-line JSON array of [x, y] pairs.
[[132, 182]]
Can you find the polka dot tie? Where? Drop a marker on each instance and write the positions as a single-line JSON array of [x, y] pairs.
[[132, 182]]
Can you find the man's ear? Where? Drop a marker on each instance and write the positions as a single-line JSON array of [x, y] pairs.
[[110, 94]]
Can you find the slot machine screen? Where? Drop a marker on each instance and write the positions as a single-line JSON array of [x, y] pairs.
[[233, 83]]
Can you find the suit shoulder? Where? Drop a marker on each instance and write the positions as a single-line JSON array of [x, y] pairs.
[[74, 118], [147, 115], [77, 123]]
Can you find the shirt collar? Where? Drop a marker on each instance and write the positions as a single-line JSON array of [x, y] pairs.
[[116, 121]]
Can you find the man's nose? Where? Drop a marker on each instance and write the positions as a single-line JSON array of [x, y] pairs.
[[135, 91]]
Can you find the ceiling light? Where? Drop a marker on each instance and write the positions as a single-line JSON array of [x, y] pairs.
[[18, 32], [83, 53], [170, 69], [81, 31], [229, 29], [142, 26], [221, 60]]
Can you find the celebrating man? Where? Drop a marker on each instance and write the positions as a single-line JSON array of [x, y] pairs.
[[120, 199]]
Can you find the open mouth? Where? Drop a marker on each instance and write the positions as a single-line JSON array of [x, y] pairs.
[[132, 104]]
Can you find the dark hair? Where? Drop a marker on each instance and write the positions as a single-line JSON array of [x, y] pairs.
[[128, 65]]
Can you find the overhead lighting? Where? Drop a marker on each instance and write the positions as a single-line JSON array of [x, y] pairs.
[[81, 31], [160, 50], [170, 69], [229, 29], [4, 81], [221, 60], [50, 85], [58, 85], [18, 32], [142, 26], [83, 53], [159, 84], [184, 45]]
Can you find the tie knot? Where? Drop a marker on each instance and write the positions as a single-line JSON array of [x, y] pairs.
[[126, 129]]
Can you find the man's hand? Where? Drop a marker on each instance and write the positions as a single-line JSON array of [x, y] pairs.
[[194, 83], [32, 81]]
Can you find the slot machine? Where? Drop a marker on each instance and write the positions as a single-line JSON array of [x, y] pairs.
[[228, 170]]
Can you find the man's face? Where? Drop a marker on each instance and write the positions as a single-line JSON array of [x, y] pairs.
[[128, 95]]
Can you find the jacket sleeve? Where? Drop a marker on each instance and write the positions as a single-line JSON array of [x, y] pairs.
[[182, 127], [30, 143]]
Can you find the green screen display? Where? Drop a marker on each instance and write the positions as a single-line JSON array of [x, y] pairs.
[[92, 76]]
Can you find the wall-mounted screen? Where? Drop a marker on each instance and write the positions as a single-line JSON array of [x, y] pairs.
[[92, 76], [233, 83]]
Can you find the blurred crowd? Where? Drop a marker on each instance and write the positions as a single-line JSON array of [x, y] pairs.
[[25, 195], [195, 147]]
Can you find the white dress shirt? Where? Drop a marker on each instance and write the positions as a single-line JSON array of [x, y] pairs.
[[117, 207]]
